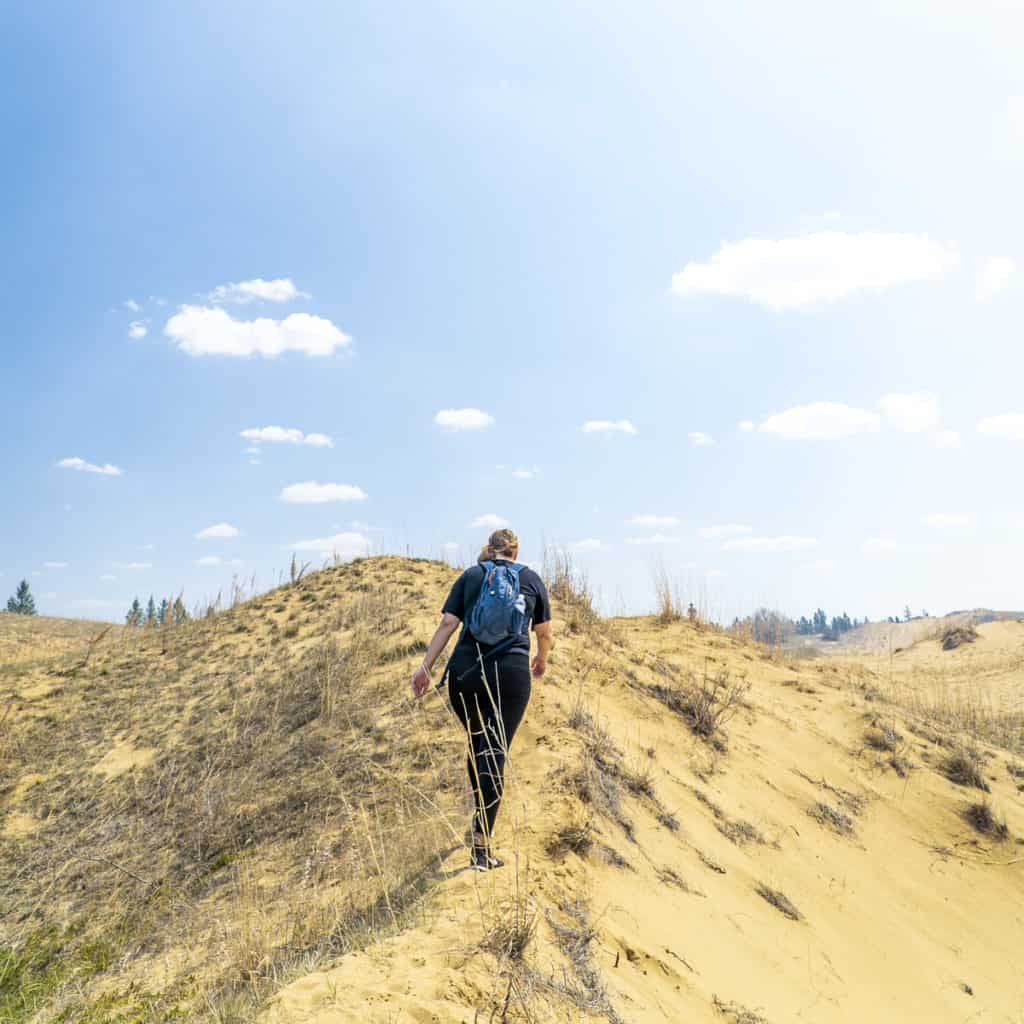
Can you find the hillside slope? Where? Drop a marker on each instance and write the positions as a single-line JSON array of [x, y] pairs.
[[249, 816]]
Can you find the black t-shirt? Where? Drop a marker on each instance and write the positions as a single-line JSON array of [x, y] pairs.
[[466, 589]]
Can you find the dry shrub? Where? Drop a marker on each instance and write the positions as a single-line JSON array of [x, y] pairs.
[[827, 815], [883, 737], [953, 636], [569, 586], [740, 832], [780, 901], [668, 599], [964, 767], [739, 1014], [983, 819], [575, 936], [706, 703]]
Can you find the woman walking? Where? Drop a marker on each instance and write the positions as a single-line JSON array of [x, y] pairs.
[[489, 670]]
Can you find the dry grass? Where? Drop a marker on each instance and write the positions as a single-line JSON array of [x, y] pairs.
[[964, 767], [827, 815], [739, 1014], [780, 901], [299, 762], [706, 702], [982, 818], [568, 585], [953, 636], [668, 600]]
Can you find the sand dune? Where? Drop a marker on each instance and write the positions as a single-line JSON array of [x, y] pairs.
[[788, 867]]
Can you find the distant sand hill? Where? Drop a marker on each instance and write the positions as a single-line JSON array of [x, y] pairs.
[[247, 818]]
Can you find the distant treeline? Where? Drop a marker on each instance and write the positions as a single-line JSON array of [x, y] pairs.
[[772, 627], [167, 613]]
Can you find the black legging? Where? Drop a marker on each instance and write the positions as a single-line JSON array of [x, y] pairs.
[[491, 713]]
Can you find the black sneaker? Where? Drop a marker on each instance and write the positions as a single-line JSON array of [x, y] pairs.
[[482, 859]]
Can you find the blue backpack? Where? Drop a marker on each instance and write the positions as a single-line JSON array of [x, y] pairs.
[[500, 610]]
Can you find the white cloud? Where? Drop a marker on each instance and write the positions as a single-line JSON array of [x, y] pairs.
[[283, 435], [880, 545], [89, 467], [587, 544], [55, 565], [1008, 425], [654, 538], [218, 531], [525, 474], [821, 421], [344, 545], [783, 543], [211, 561], [281, 289], [313, 493], [450, 545], [823, 564], [133, 566], [608, 427], [205, 331], [463, 419], [914, 413], [745, 426], [489, 521], [132, 306], [993, 277], [948, 439], [137, 329], [698, 439], [796, 273], [107, 578], [945, 520], [648, 519], [724, 530]]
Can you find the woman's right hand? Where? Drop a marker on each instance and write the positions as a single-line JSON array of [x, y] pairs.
[[420, 681], [539, 667]]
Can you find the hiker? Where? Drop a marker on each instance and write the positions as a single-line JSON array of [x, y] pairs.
[[489, 670]]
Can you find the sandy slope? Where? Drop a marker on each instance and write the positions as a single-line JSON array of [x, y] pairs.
[[891, 930], [900, 916]]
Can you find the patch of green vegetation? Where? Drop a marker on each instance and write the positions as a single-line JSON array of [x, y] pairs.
[[32, 971]]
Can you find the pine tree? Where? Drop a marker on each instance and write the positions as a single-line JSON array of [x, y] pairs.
[[162, 613], [134, 616], [178, 612], [22, 603], [151, 612]]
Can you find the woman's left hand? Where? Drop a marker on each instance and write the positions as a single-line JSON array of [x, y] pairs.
[[420, 681]]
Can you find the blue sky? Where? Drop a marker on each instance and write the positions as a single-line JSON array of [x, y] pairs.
[[771, 251]]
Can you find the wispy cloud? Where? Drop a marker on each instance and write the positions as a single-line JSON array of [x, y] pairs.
[[698, 439], [344, 545], [89, 467], [137, 329], [608, 427], [767, 544], [914, 413], [945, 520], [463, 419], [993, 277], [821, 421], [489, 521], [284, 435], [523, 473], [280, 289], [798, 273], [654, 538], [133, 566], [745, 426], [213, 561], [823, 564], [132, 306], [219, 531], [313, 493], [723, 530], [651, 519], [211, 331], [881, 546], [1008, 425], [587, 544], [55, 565]]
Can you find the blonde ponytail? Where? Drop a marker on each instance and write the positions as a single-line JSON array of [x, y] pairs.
[[500, 544]]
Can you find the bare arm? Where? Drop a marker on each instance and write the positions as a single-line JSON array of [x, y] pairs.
[[540, 661], [421, 677]]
